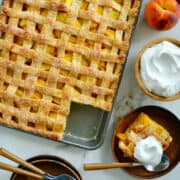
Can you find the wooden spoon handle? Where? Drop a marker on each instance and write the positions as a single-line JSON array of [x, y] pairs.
[[20, 161], [19, 171], [108, 166]]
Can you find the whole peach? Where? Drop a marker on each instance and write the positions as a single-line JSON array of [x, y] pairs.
[[162, 14]]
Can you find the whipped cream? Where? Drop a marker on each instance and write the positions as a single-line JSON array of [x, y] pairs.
[[148, 151], [160, 69]]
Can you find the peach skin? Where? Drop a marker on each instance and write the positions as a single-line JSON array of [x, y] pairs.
[[162, 14]]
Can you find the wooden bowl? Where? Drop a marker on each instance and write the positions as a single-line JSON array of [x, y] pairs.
[[137, 70], [50, 164], [164, 118]]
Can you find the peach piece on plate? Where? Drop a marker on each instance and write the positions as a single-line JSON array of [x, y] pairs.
[[162, 14]]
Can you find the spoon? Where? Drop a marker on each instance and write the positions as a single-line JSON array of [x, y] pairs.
[[164, 164], [60, 177], [39, 174]]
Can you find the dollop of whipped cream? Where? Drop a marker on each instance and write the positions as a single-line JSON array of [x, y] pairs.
[[148, 151], [160, 69]]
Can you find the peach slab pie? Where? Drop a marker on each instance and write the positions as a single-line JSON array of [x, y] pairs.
[[54, 52], [142, 127]]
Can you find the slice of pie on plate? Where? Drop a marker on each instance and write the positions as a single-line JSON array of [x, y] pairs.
[[142, 127]]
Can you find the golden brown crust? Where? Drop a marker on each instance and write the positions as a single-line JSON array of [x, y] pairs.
[[53, 53]]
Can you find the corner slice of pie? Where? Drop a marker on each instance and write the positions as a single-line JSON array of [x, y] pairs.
[[142, 127]]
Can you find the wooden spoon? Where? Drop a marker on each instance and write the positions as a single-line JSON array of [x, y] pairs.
[[8, 155], [110, 165], [19, 171], [163, 165]]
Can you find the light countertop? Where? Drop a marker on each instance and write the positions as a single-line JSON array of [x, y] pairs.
[[129, 97]]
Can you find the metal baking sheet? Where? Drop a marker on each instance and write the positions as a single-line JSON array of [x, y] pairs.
[[86, 125]]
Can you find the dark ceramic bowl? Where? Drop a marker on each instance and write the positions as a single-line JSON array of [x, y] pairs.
[[165, 118], [51, 164]]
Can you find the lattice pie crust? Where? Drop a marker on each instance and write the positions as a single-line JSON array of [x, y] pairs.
[[54, 52]]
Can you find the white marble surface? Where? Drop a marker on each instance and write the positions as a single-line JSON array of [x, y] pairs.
[[26, 145]]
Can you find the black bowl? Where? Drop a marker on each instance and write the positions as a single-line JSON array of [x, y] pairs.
[[51, 164], [163, 117]]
